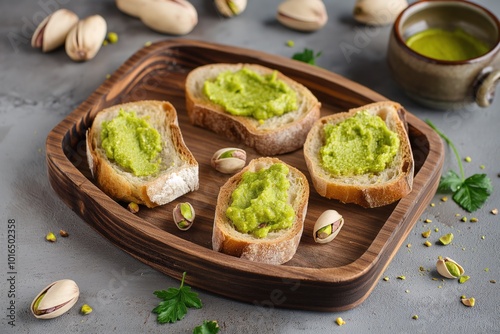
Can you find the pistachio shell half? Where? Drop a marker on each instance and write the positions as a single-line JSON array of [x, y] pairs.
[[229, 8], [184, 216], [175, 17], [229, 160], [448, 268], [378, 12], [327, 227], [309, 15], [85, 38], [52, 31], [55, 299]]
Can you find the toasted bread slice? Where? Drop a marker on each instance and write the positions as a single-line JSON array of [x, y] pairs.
[[368, 190], [178, 170], [276, 135], [277, 247]]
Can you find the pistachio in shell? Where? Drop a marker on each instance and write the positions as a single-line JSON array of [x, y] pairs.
[[327, 227], [378, 12], [230, 8], [174, 17], [449, 268], [52, 31], [85, 38], [302, 15], [55, 299]]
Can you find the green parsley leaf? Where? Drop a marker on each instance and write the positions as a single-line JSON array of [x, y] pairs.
[[208, 327], [175, 303], [474, 191], [469, 193], [307, 56], [451, 181]]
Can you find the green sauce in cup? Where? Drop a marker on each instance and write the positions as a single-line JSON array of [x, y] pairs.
[[448, 45]]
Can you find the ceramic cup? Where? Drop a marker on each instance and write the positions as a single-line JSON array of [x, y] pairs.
[[443, 84]]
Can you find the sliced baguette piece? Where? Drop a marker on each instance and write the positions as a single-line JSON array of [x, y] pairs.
[[368, 190], [277, 247], [178, 171], [276, 135]]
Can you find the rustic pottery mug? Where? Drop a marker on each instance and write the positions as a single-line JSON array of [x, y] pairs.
[[453, 77]]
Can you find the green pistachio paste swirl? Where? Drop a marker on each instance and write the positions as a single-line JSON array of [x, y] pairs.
[[247, 93], [359, 145], [259, 204], [132, 143]]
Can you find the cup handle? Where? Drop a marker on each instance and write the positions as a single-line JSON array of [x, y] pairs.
[[485, 92]]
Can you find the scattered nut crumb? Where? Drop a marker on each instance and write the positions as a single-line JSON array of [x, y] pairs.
[[386, 278], [436, 230], [433, 204], [469, 302], [462, 279], [457, 215], [51, 237], [409, 245], [290, 43], [482, 166], [133, 207], [148, 43], [63, 233], [427, 243], [108, 76], [85, 309], [486, 269], [340, 321], [402, 277], [415, 317], [464, 219], [407, 291], [494, 211], [426, 234], [427, 221], [474, 220], [468, 159], [483, 237], [444, 199], [492, 281]]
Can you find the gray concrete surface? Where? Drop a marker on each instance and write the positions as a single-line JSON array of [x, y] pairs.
[[38, 90]]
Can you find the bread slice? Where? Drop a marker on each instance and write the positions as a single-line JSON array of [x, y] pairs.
[[277, 247], [368, 190], [276, 135], [178, 170]]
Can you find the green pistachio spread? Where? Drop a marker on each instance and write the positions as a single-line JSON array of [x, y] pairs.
[[247, 93], [132, 143], [447, 45], [259, 204], [359, 145]]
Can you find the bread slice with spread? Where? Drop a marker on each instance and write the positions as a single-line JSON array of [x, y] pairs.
[[369, 187], [280, 197], [169, 172], [274, 135]]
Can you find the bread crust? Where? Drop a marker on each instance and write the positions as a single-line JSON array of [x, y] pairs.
[[274, 136], [368, 190], [179, 169], [278, 247]]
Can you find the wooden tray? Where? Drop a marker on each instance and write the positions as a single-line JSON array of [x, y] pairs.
[[331, 277]]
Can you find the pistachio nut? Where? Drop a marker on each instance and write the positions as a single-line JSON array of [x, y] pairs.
[[175, 17], [448, 268], [327, 226], [229, 8], [85, 38], [229, 160], [378, 12], [130, 7], [52, 31], [184, 216], [55, 299], [309, 15]]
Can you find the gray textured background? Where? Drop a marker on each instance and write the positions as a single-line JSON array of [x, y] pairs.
[[38, 90]]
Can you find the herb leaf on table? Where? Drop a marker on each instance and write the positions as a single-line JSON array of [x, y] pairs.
[[307, 56], [469, 193], [208, 327], [175, 302]]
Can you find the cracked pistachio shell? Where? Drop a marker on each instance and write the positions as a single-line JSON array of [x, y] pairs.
[[184, 216], [378, 12], [443, 270], [328, 218], [304, 15], [56, 299], [85, 38], [52, 31], [229, 160], [229, 8], [130, 7], [174, 17]]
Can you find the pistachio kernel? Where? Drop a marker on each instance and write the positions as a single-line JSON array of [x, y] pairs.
[[446, 239], [51, 237], [452, 268], [85, 309]]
